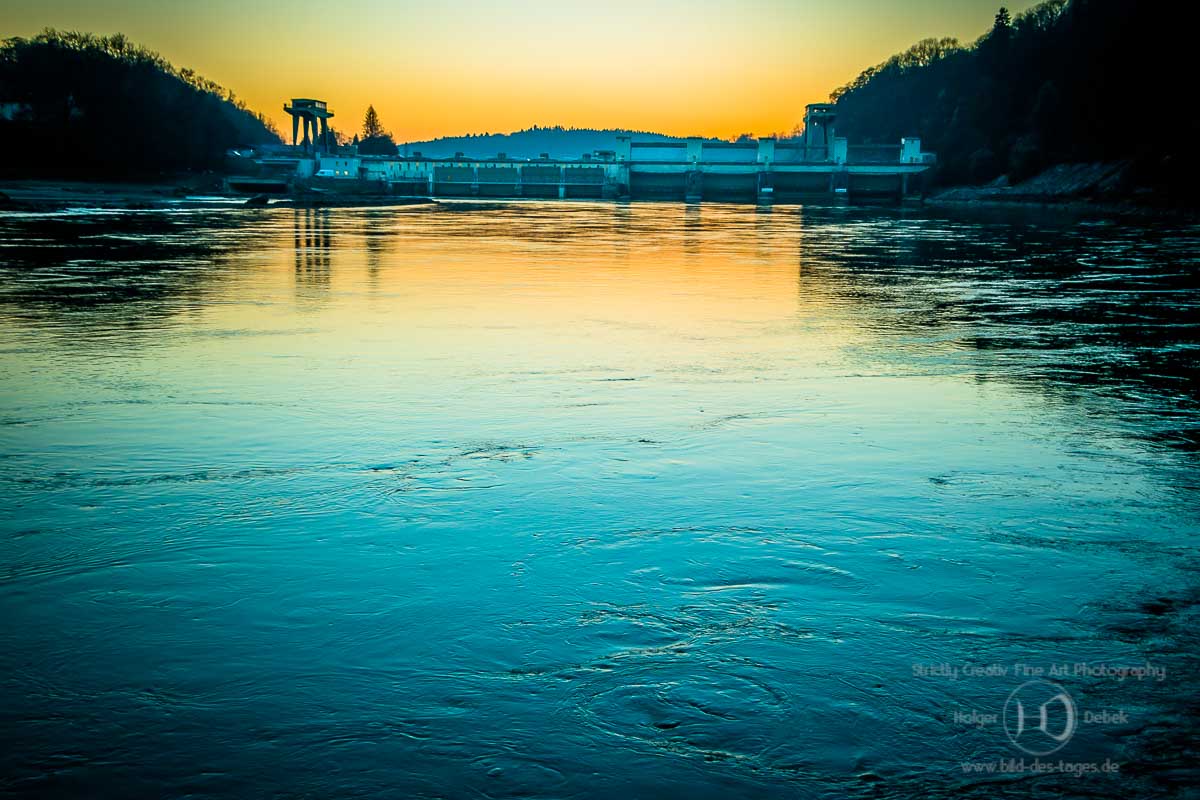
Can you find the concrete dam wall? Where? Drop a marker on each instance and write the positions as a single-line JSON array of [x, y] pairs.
[[747, 170]]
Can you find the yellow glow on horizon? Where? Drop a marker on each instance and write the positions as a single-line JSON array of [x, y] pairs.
[[715, 68]]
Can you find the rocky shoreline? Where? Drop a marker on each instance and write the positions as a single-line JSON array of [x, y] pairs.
[[48, 195], [1101, 188]]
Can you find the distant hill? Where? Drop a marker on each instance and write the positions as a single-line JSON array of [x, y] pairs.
[[83, 105], [1078, 81], [557, 142]]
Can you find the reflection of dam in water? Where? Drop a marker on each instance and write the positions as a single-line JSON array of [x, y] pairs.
[[748, 170], [312, 242]]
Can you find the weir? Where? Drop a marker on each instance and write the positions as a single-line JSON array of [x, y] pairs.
[[750, 170]]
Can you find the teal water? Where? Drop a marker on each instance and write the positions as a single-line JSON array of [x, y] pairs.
[[590, 500]]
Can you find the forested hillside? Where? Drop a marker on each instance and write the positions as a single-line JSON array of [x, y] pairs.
[[90, 106], [556, 141], [1077, 81]]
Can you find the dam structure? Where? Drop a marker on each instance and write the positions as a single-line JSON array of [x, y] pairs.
[[748, 170]]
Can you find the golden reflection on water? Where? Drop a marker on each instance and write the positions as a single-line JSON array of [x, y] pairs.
[[673, 274]]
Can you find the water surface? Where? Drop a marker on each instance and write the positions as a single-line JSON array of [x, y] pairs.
[[588, 500]]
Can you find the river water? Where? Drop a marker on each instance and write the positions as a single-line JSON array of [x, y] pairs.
[[594, 500]]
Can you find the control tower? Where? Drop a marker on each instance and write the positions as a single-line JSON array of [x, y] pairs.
[[818, 130], [314, 115]]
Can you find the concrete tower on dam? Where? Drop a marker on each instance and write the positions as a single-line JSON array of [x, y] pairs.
[[314, 116], [818, 129], [748, 170]]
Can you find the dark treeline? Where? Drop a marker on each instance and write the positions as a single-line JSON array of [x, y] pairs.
[[1077, 81], [90, 106]]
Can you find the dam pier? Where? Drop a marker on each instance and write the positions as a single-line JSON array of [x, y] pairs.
[[747, 170]]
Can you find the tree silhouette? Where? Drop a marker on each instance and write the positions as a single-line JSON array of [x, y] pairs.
[[371, 125], [375, 140]]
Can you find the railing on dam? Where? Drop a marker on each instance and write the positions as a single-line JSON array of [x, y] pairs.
[[788, 153], [873, 154]]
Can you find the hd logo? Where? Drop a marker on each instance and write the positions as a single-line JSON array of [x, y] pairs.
[[1040, 717]]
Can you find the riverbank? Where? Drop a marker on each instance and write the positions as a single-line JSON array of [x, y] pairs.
[[53, 195], [1103, 188], [37, 195]]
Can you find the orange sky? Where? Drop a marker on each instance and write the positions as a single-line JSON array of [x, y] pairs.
[[715, 67]]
